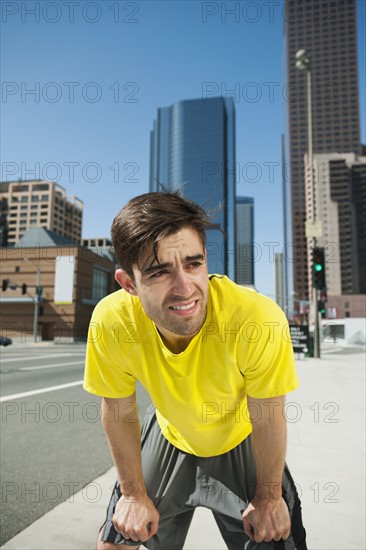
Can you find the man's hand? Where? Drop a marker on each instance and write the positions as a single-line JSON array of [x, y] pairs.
[[136, 519], [266, 520], [267, 517]]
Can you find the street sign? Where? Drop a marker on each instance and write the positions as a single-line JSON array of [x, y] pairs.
[[332, 313], [304, 307], [300, 337], [314, 229]]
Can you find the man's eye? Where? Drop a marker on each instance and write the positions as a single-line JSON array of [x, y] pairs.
[[195, 264], [158, 274]]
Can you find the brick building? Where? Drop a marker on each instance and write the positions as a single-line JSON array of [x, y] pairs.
[[72, 279]]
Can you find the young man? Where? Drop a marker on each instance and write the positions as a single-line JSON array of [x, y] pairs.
[[217, 362]]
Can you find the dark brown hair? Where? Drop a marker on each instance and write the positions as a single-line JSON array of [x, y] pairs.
[[148, 218]]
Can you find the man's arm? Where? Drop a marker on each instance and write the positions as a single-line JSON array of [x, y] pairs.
[[267, 517], [135, 515]]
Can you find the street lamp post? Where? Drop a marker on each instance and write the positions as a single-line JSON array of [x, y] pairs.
[[36, 306], [36, 299], [303, 64]]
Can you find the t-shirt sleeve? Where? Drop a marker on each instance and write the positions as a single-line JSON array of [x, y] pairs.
[[106, 372], [267, 359]]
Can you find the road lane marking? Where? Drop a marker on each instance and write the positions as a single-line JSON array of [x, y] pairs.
[[34, 358], [52, 366], [41, 390]]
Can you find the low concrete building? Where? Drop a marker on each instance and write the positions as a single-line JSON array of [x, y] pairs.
[[345, 306]]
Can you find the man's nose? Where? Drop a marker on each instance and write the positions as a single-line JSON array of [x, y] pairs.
[[182, 285]]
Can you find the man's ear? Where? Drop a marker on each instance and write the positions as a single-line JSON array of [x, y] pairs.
[[125, 281]]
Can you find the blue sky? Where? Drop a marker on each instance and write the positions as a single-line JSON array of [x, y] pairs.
[[100, 69]]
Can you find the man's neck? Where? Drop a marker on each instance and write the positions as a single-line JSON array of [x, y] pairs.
[[174, 342]]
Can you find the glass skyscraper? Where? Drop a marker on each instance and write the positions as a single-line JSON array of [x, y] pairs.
[[245, 241], [193, 148]]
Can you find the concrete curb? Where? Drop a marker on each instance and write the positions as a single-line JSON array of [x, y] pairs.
[[73, 525]]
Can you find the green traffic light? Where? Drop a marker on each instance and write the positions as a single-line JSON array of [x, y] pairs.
[[318, 267]]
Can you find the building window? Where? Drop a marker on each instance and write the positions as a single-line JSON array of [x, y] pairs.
[[100, 284], [41, 187]]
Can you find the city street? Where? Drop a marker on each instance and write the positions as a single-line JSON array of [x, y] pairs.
[[50, 454], [148, 145], [52, 442]]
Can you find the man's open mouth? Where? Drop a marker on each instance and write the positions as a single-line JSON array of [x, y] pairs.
[[185, 307]]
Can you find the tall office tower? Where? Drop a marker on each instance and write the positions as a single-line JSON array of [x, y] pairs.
[[327, 31], [193, 148], [279, 280], [244, 252], [340, 203], [45, 204]]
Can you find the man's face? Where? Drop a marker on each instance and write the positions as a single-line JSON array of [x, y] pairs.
[[173, 291]]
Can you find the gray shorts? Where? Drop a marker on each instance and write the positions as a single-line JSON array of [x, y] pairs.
[[178, 482]]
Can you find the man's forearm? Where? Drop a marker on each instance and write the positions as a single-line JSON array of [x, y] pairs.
[[269, 447], [124, 438]]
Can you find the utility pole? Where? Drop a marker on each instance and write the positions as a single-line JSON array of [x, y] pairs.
[[303, 63], [37, 298], [285, 243]]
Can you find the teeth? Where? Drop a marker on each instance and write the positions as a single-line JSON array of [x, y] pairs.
[[189, 306]]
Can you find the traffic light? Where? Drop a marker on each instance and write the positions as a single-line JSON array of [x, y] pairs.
[[24, 288], [321, 308], [5, 284], [318, 268]]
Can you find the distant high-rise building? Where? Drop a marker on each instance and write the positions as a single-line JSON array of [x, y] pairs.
[[327, 31], [193, 148], [340, 204], [27, 204], [244, 240], [279, 280]]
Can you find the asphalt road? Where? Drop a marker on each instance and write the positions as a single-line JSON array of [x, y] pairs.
[[52, 441]]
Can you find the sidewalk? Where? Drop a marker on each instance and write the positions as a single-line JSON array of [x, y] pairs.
[[326, 437]]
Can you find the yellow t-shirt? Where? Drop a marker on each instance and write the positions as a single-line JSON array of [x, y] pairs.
[[243, 348]]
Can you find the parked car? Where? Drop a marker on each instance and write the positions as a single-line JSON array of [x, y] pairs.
[[4, 341]]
